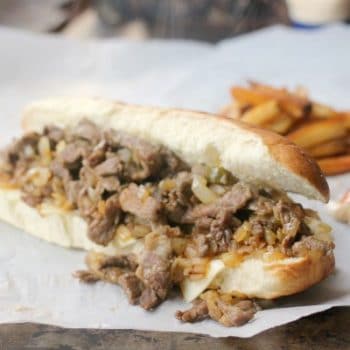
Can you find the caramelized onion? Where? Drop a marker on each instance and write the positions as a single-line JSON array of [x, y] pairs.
[[201, 191]]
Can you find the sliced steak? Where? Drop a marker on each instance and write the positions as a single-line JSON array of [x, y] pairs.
[[88, 131], [54, 133], [59, 170], [72, 189], [101, 230], [132, 286], [290, 215], [111, 166], [310, 243], [154, 267], [233, 200], [99, 264], [148, 157], [213, 235], [32, 200], [228, 311], [123, 261], [131, 201], [149, 299], [114, 269], [177, 201], [72, 155], [261, 206], [171, 163], [199, 246], [221, 229], [108, 184], [198, 312], [86, 276], [98, 154], [237, 314]]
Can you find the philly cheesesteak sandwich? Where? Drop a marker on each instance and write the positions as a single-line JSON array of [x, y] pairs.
[[166, 198]]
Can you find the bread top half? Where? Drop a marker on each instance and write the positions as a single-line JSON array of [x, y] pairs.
[[252, 155]]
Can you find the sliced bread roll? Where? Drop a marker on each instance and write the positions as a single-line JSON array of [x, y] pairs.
[[252, 155]]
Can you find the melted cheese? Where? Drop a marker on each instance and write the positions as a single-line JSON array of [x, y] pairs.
[[192, 289]]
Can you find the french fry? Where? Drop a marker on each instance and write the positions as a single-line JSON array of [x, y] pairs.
[[281, 125], [315, 133], [247, 96], [292, 104], [262, 113], [231, 111], [321, 111], [301, 91], [346, 117], [335, 165], [330, 148]]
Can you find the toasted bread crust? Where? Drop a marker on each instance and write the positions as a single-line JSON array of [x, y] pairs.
[[300, 274], [294, 158]]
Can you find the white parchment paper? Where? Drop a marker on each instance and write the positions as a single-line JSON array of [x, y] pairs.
[[35, 277]]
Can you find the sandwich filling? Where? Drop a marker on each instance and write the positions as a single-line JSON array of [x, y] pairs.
[[126, 188]]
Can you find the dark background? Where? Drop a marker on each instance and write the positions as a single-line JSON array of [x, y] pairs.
[[209, 20]]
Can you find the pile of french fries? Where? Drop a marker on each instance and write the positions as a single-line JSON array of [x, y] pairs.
[[321, 130]]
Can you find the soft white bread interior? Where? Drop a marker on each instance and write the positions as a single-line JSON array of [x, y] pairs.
[[250, 154], [253, 155]]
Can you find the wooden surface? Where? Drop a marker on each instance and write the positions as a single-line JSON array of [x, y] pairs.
[[323, 331]]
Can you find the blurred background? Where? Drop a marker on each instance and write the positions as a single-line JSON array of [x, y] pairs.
[[208, 20]]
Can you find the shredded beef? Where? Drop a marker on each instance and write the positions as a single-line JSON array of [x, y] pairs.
[[198, 312]]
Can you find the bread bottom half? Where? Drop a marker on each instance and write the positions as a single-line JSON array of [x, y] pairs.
[[254, 277]]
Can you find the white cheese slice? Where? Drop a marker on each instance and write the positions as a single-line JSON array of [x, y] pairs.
[[192, 289]]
